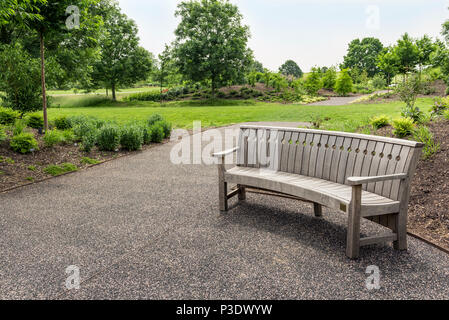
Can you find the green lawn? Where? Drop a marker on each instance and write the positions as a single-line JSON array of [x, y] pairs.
[[182, 114], [101, 91]]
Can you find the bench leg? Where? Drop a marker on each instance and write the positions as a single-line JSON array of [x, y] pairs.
[[222, 189], [242, 193], [353, 236], [318, 209], [401, 230]]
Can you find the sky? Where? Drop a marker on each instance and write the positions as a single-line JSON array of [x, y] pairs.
[[310, 32]]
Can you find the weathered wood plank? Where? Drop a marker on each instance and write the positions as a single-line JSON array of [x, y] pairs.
[[313, 155]]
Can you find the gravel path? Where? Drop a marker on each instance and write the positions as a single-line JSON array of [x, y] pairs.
[[341, 101], [140, 227]]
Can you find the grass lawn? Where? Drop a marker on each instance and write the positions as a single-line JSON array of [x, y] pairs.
[[101, 91], [182, 114]]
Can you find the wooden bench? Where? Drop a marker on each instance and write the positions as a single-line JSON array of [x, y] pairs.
[[363, 176]]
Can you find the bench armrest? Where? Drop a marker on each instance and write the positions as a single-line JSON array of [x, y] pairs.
[[355, 181], [225, 153]]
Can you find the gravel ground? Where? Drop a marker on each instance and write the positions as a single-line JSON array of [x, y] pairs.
[[140, 227]]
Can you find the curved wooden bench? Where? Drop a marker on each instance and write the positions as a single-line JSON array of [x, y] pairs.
[[363, 176]]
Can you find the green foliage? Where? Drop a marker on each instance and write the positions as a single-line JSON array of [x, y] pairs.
[[89, 140], [440, 106], [35, 120], [154, 118], [167, 128], [313, 82], [403, 127], [330, 78], [54, 137], [32, 168], [132, 137], [19, 79], [108, 138], [343, 85], [62, 123], [57, 170], [379, 82], [211, 42], [87, 160], [291, 68], [407, 54], [157, 133], [8, 116], [388, 63], [362, 55], [424, 135], [24, 143], [3, 135], [19, 126], [380, 121], [408, 92]]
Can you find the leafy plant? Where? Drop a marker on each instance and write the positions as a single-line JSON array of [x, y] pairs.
[[88, 141], [343, 86], [87, 160], [408, 92], [62, 123], [19, 126], [313, 82], [424, 135], [32, 168], [440, 106], [108, 138], [3, 135], [57, 170], [403, 127], [24, 143], [379, 82], [154, 118], [35, 121], [53, 137], [132, 137], [157, 133], [8, 116], [380, 122], [167, 128]]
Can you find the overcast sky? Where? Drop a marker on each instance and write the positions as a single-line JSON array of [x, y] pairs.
[[311, 32]]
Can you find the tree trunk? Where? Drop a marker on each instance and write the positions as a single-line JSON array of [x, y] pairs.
[[113, 92], [44, 90]]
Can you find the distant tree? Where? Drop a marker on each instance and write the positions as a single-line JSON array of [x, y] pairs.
[[313, 82], [256, 66], [211, 42], [291, 68], [167, 73], [425, 47], [122, 61], [343, 85], [330, 78], [362, 54], [388, 63], [407, 54]]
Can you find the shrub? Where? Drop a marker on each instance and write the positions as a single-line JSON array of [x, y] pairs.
[[19, 126], [413, 113], [69, 136], [330, 78], [379, 82], [56, 170], [439, 106], [35, 121], [62, 123], [403, 127], [313, 83], [408, 93], [167, 128], [155, 118], [88, 141], [8, 116], [446, 115], [53, 137], [24, 143], [108, 138], [146, 134], [380, 122], [343, 86], [2, 134], [424, 135], [157, 133], [83, 129], [132, 137]]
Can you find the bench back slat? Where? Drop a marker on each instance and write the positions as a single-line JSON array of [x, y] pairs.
[[332, 156]]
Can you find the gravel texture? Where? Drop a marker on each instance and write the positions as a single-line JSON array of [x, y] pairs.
[[140, 227]]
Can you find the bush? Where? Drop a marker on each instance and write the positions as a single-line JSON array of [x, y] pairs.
[[313, 83], [146, 135], [330, 78], [132, 138], [62, 123], [2, 134], [343, 86], [440, 105], [380, 122], [155, 118], [53, 137], [24, 143], [8, 116], [424, 135], [83, 129], [167, 128], [88, 141], [413, 113], [108, 138], [19, 126], [157, 133], [35, 121], [403, 127], [408, 93], [379, 82]]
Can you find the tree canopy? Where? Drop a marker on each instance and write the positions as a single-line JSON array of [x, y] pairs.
[[291, 68], [211, 42], [362, 54]]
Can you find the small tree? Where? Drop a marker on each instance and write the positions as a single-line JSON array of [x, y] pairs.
[[19, 79], [408, 93], [313, 82], [344, 83], [291, 68], [330, 78]]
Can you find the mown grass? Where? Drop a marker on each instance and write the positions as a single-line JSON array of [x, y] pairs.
[[221, 113]]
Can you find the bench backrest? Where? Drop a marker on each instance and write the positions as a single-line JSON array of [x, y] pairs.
[[329, 155]]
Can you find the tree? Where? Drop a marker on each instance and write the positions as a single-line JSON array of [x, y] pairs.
[[425, 47], [211, 42], [388, 62], [363, 55], [21, 11], [122, 61], [343, 85], [407, 54], [330, 78], [313, 82], [256, 66], [19, 79], [167, 72], [291, 68]]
